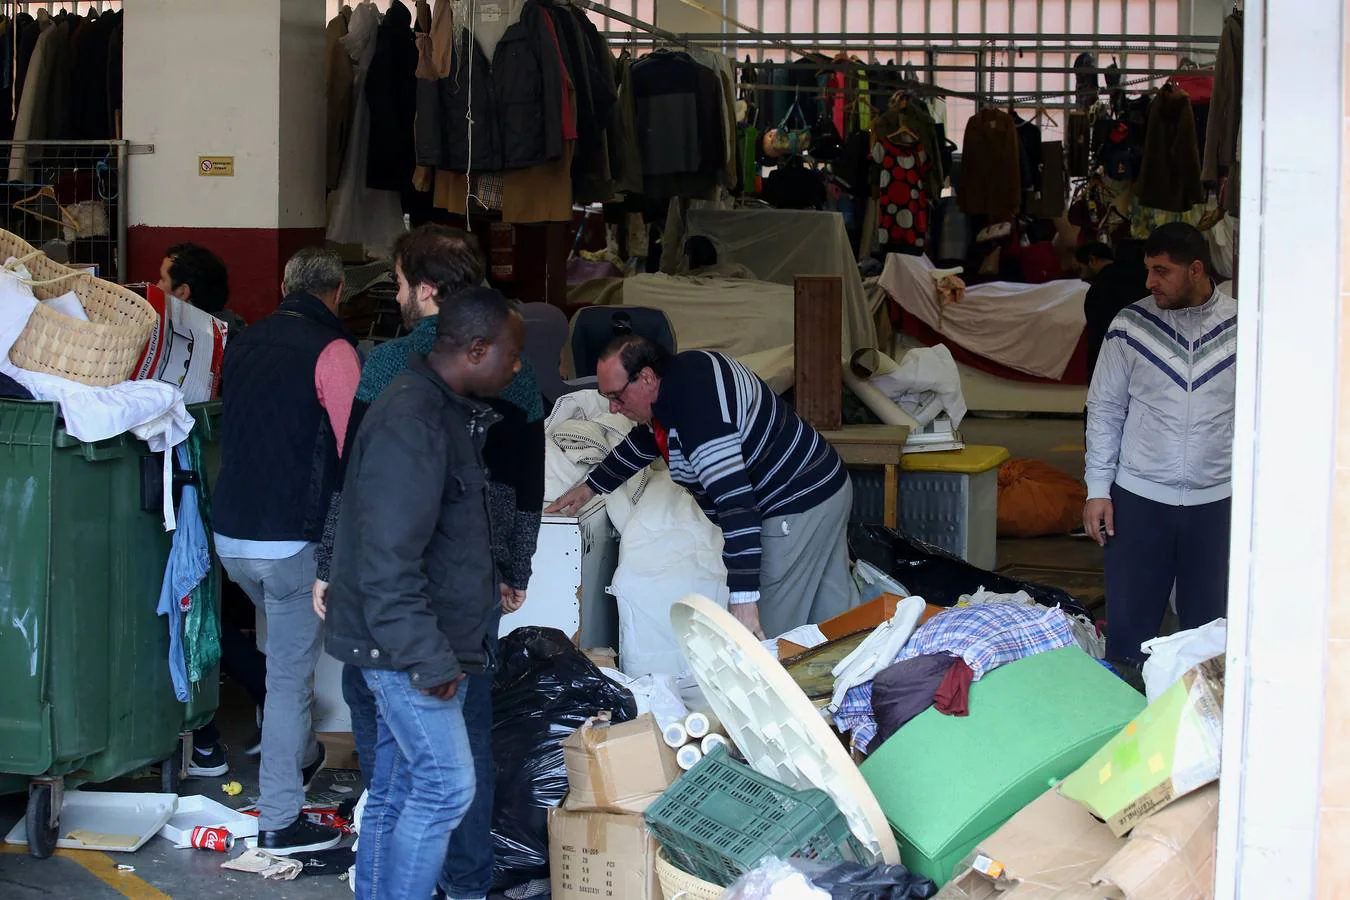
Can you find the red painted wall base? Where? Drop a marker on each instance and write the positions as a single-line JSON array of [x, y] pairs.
[[255, 258]]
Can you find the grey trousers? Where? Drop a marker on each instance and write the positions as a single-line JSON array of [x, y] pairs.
[[281, 589], [804, 572]]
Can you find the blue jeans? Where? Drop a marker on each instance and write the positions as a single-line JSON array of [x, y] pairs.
[[468, 864], [424, 784]]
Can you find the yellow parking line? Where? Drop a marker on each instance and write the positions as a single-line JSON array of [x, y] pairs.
[[104, 868], [1069, 448]]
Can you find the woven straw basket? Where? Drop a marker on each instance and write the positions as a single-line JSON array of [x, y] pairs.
[[100, 352], [677, 884]]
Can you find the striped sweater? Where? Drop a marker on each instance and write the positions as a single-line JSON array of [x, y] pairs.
[[742, 452]]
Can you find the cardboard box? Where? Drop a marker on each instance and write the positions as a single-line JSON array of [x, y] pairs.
[[618, 768], [604, 657], [1168, 751], [1052, 848], [601, 856], [1171, 855]]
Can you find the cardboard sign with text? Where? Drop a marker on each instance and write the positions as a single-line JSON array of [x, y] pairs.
[[601, 856]]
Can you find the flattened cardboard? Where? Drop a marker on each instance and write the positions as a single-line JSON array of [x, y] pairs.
[[619, 768], [1168, 751], [601, 856], [1170, 855], [1052, 848]]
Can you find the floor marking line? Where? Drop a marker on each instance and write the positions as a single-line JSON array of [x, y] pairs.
[[1069, 448], [104, 868]]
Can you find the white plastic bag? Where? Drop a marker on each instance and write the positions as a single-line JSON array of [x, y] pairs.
[[1170, 657], [774, 879]]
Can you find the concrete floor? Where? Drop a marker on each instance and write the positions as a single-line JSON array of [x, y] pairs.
[[161, 871]]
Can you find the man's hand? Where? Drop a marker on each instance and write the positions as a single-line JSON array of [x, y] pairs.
[[512, 599], [571, 502], [445, 691], [748, 615], [1099, 520], [320, 592]]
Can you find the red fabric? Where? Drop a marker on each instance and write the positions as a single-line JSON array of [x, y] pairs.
[[902, 212], [953, 695], [1200, 88], [1040, 263], [662, 439], [1076, 373], [569, 121]]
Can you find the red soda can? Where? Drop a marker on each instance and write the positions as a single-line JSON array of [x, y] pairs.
[[217, 839]]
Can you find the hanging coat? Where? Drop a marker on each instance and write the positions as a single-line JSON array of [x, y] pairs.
[[339, 73], [391, 96], [1170, 177]]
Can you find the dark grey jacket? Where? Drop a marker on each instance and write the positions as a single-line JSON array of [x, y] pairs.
[[414, 587]]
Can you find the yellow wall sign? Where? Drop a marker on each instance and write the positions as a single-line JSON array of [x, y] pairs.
[[215, 166]]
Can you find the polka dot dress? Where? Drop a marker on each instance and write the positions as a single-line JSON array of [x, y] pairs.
[[902, 214]]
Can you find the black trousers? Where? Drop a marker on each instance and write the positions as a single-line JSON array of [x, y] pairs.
[[1156, 546]]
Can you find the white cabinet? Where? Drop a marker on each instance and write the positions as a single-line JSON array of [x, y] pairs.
[[574, 564]]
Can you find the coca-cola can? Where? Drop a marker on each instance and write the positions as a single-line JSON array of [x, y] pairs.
[[217, 839]]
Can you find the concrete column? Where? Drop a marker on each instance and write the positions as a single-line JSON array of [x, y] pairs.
[[243, 78]]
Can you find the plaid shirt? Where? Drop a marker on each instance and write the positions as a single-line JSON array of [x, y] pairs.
[[986, 636]]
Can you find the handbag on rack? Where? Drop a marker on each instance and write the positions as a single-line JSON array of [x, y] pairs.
[[792, 137]]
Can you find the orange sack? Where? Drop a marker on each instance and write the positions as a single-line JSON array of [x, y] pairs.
[[1036, 499]]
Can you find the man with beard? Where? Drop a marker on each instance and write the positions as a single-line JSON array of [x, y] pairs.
[[433, 265], [1159, 446]]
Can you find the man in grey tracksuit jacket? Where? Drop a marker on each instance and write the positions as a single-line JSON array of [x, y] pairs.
[[1159, 446]]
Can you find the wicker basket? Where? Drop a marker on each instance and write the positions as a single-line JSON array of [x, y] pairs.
[[676, 884], [100, 352]]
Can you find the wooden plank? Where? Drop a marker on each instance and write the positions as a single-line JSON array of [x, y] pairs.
[[891, 501], [818, 302]]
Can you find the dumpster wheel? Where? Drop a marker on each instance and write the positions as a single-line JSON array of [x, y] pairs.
[[42, 826]]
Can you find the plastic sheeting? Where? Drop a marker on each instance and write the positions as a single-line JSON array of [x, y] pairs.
[[780, 244], [939, 577], [1033, 328], [545, 689], [813, 879]]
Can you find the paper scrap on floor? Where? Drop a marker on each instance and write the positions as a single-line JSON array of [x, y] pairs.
[[259, 862]]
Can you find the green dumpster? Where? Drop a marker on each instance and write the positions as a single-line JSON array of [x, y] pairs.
[[87, 695]]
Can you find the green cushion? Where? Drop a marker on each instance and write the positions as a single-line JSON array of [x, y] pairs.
[[947, 783]]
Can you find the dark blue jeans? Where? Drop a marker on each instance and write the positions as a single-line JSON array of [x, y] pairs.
[[468, 863], [424, 784]]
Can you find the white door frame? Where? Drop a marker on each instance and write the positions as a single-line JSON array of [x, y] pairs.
[[1284, 448]]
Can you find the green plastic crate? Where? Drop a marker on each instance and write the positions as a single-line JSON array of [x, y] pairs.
[[721, 818]]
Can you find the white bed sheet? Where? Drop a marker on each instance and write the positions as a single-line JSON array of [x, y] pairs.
[[1033, 328]]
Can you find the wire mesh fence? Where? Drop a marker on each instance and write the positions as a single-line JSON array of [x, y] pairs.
[[68, 199]]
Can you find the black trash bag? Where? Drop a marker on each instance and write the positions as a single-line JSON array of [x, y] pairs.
[[851, 881], [545, 688], [938, 576]]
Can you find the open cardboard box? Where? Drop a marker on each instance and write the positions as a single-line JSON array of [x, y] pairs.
[[1054, 848], [617, 768]]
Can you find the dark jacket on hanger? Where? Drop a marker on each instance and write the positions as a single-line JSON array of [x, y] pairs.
[[991, 177], [625, 160], [1170, 177], [516, 102], [391, 95], [914, 115], [592, 175], [679, 125], [93, 118], [1225, 112]]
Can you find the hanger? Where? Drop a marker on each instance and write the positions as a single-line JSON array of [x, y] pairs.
[[47, 192], [1043, 114]]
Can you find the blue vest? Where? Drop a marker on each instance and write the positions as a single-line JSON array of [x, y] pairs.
[[279, 459]]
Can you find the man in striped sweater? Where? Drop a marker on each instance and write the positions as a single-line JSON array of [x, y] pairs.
[[775, 487]]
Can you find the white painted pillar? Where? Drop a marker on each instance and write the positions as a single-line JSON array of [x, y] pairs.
[[241, 79]]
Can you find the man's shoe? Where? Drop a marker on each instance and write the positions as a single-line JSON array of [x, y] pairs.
[[301, 836], [308, 773], [208, 762]]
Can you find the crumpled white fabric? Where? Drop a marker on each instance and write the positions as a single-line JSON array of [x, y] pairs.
[[878, 651], [925, 383], [151, 410], [667, 550], [580, 433]]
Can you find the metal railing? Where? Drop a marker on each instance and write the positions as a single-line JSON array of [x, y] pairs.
[[69, 199]]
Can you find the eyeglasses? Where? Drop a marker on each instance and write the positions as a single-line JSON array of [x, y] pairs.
[[617, 396]]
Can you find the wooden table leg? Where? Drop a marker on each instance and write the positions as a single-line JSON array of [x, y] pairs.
[[891, 498]]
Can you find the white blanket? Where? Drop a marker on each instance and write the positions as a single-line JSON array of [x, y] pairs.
[[1033, 328], [667, 546]]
